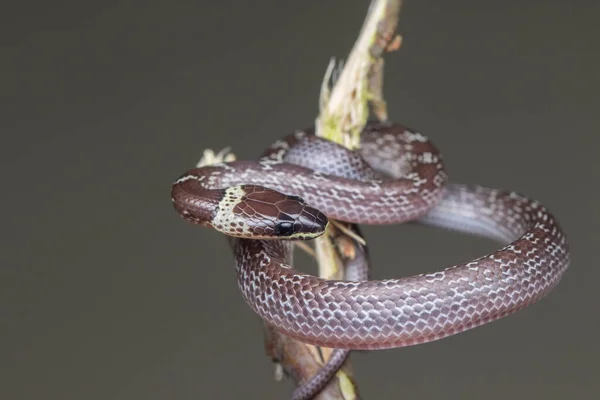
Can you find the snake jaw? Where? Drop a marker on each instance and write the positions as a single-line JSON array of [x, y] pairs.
[[306, 235]]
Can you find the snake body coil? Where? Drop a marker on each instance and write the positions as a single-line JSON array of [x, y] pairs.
[[381, 313]]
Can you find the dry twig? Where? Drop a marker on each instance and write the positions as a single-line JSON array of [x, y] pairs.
[[344, 111]]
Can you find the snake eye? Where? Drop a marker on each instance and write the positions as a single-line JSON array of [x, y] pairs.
[[284, 228]]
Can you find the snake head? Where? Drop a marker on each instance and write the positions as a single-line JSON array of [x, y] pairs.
[[257, 212]]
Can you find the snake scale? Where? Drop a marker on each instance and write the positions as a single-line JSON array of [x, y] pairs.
[[396, 176]]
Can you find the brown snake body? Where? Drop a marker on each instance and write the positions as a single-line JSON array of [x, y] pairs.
[[374, 314]]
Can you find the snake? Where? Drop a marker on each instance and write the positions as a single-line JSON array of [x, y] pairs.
[[395, 176]]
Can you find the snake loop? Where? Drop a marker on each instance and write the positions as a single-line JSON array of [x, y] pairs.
[[238, 198]]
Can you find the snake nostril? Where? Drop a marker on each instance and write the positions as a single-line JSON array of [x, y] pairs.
[[322, 219], [311, 221]]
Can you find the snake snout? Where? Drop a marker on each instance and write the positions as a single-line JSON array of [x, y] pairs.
[[307, 223], [311, 223], [297, 220]]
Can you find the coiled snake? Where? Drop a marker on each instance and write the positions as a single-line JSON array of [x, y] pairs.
[[272, 198]]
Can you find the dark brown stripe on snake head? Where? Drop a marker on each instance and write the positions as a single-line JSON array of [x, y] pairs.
[[195, 209]]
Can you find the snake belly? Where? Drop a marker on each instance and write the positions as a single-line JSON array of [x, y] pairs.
[[390, 313]]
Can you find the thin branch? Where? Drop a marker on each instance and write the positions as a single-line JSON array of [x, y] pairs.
[[344, 111]]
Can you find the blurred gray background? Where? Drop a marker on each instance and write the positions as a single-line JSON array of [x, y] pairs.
[[107, 294]]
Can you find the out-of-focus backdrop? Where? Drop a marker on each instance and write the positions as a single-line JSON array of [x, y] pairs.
[[107, 294]]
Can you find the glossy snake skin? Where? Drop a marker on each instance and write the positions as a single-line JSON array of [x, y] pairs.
[[386, 313]]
